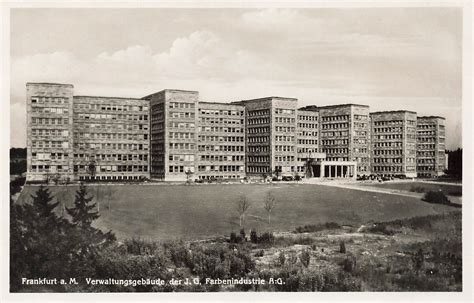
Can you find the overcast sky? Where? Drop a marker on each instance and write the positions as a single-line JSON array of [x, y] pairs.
[[387, 58]]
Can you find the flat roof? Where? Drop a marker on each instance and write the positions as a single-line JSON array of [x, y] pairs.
[[219, 103], [48, 83], [105, 97], [266, 99], [170, 90], [341, 105], [393, 111], [431, 117]]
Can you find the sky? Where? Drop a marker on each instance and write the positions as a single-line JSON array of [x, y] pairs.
[[387, 58]]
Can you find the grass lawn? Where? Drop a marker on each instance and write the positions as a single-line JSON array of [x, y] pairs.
[[164, 212], [455, 190]]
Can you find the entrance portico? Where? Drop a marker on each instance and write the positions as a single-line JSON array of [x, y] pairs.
[[334, 169]]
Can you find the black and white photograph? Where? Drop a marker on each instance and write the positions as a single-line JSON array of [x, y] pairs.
[[237, 148]]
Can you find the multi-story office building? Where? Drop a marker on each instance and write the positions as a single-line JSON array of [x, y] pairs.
[[85, 138], [171, 135], [49, 130], [173, 141], [394, 143], [430, 146], [221, 141], [345, 134], [110, 138], [270, 136], [307, 141]]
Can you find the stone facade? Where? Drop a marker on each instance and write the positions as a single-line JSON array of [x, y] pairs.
[[49, 131], [110, 138], [221, 141], [394, 143], [430, 146], [271, 136], [171, 135]]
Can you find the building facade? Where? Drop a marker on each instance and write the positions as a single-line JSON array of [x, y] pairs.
[[173, 136], [394, 143], [430, 146]]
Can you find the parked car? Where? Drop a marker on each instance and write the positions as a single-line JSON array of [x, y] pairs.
[[287, 178]]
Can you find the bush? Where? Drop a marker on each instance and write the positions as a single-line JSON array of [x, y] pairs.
[[305, 258], [266, 238], [436, 197], [349, 263], [417, 189], [281, 258], [342, 247], [253, 236], [242, 235], [317, 227]]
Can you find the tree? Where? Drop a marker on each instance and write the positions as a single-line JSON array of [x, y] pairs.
[[277, 171], [85, 239], [269, 205], [188, 173], [92, 169], [242, 207], [38, 242], [82, 213]]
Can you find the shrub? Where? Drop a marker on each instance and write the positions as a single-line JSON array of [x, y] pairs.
[[349, 263], [266, 238], [381, 228], [259, 253], [242, 235], [281, 258], [436, 197], [253, 236], [305, 258], [317, 227], [342, 247], [234, 238], [417, 189]]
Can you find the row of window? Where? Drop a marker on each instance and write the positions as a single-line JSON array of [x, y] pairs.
[[335, 126], [224, 148], [49, 168], [109, 136], [259, 139], [307, 118], [335, 142], [50, 121], [182, 105], [284, 111], [111, 157], [119, 146], [51, 100], [204, 138], [49, 144], [182, 115], [113, 126], [50, 110], [111, 168], [284, 120], [88, 116], [110, 107], [221, 129], [221, 121], [49, 132], [221, 158], [284, 158], [307, 125], [335, 118], [221, 168], [308, 141], [254, 121], [221, 112]]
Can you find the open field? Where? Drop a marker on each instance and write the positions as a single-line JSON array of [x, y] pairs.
[[163, 212], [450, 190]]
